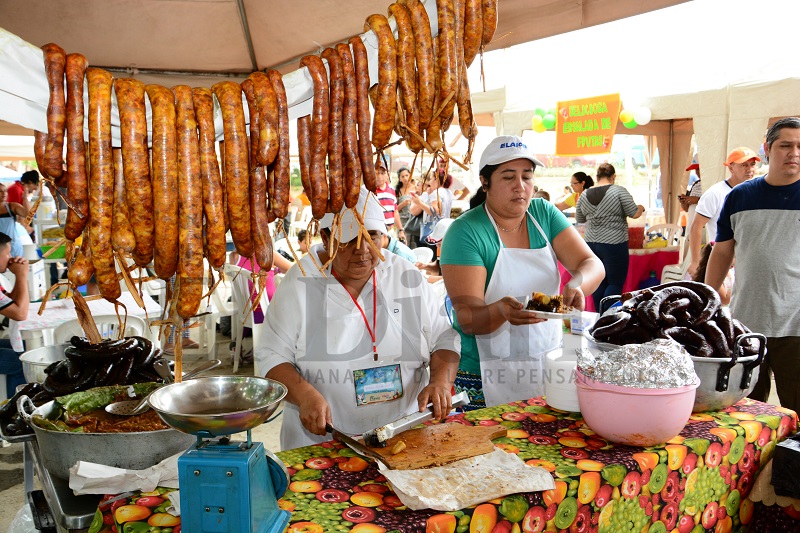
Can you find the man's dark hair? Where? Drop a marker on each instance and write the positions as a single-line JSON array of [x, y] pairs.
[[30, 176], [4, 239], [301, 235], [775, 130]]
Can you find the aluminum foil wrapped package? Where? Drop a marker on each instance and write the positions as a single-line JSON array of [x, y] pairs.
[[658, 364]]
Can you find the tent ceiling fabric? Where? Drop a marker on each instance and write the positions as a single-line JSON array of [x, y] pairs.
[[208, 36]]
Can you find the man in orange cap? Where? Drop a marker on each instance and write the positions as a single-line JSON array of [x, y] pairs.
[[758, 225], [742, 164]]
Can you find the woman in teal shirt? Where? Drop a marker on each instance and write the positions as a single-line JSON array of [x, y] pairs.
[[492, 258]]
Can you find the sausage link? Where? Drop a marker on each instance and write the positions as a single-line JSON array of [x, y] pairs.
[[383, 121], [255, 120], [136, 166], [259, 219], [165, 181], [259, 216], [406, 74], [362, 112], [55, 60], [224, 187], [122, 239], [352, 165], [101, 182], [257, 171], [210, 177], [279, 193], [304, 153], [267, 105], [466, 120], [335, 130], [320, 118], [473, 29], [489, 20], [716, 339], [81, 269], [426, 78], [77, 182], [190, 206], [39, 145], [447, 60], [237, 181], [724, 320]]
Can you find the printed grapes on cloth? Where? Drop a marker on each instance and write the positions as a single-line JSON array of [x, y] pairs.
[[698, 481]]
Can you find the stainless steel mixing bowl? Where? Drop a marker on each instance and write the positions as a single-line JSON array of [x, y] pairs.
[[219, 405]]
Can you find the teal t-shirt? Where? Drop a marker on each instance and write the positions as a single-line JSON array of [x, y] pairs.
[[471, 240]]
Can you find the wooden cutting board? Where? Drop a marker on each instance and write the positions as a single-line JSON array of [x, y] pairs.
[[439, 444]]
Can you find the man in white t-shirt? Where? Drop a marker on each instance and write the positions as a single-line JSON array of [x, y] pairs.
[[742, 164]]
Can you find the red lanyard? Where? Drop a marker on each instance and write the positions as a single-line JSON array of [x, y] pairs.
[[372, 329]]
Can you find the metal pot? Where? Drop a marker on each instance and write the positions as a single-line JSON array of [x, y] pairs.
[[35, 361], [724, 381], [135, 451]]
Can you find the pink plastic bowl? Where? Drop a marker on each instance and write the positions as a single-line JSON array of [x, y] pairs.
[[633, 416]]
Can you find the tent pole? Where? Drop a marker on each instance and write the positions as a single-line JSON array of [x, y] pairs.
[[248, 39]]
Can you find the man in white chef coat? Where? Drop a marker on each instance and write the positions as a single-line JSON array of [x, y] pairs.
[[360, 343]]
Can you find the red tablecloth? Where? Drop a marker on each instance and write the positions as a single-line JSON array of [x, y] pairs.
[[640, 264], [698, 481]]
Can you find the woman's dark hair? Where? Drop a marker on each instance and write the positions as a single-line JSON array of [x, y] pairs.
[[584, 179], [4, 239], [480, 195], [700, 273], [606, 170], [399, 186], [30, 176]]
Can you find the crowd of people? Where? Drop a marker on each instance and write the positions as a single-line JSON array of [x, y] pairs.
[[363, 338]]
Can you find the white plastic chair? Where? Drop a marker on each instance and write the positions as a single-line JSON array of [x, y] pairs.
[[670, 232], [424, 254], [242, 313], [301, 222], [107, 325]]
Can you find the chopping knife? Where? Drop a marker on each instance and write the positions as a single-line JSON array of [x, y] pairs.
[[377, 437], [357, 446]]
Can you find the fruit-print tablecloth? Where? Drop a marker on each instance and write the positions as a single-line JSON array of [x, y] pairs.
[[698, 481]]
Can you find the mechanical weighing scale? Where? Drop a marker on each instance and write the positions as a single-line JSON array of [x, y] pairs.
[[226, 486]]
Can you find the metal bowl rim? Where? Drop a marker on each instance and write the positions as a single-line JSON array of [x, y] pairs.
[[158, 392]]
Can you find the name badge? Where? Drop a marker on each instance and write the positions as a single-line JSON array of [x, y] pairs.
[[378, 384]]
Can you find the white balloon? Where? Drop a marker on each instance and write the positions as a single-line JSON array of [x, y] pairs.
[[642, 115]]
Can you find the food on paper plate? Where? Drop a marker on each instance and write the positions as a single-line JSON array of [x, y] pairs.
[[549, 304]]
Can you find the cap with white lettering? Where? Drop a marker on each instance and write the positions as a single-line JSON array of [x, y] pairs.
[[507, 148]]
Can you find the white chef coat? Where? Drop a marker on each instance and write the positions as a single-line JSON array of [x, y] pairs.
[[313, 324]]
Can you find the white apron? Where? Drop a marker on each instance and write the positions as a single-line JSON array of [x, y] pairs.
[[512, 357], [344, 345]]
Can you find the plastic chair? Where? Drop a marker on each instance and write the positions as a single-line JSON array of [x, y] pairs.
[[242, 315], [301, 222], [670, 232], [424, 255], [107, 325]]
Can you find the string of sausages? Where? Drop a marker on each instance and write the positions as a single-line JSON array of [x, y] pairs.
[[687, 312], [170, 205]]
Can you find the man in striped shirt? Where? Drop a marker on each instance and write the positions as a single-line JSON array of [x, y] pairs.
[[758, 226], [387, 198]]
